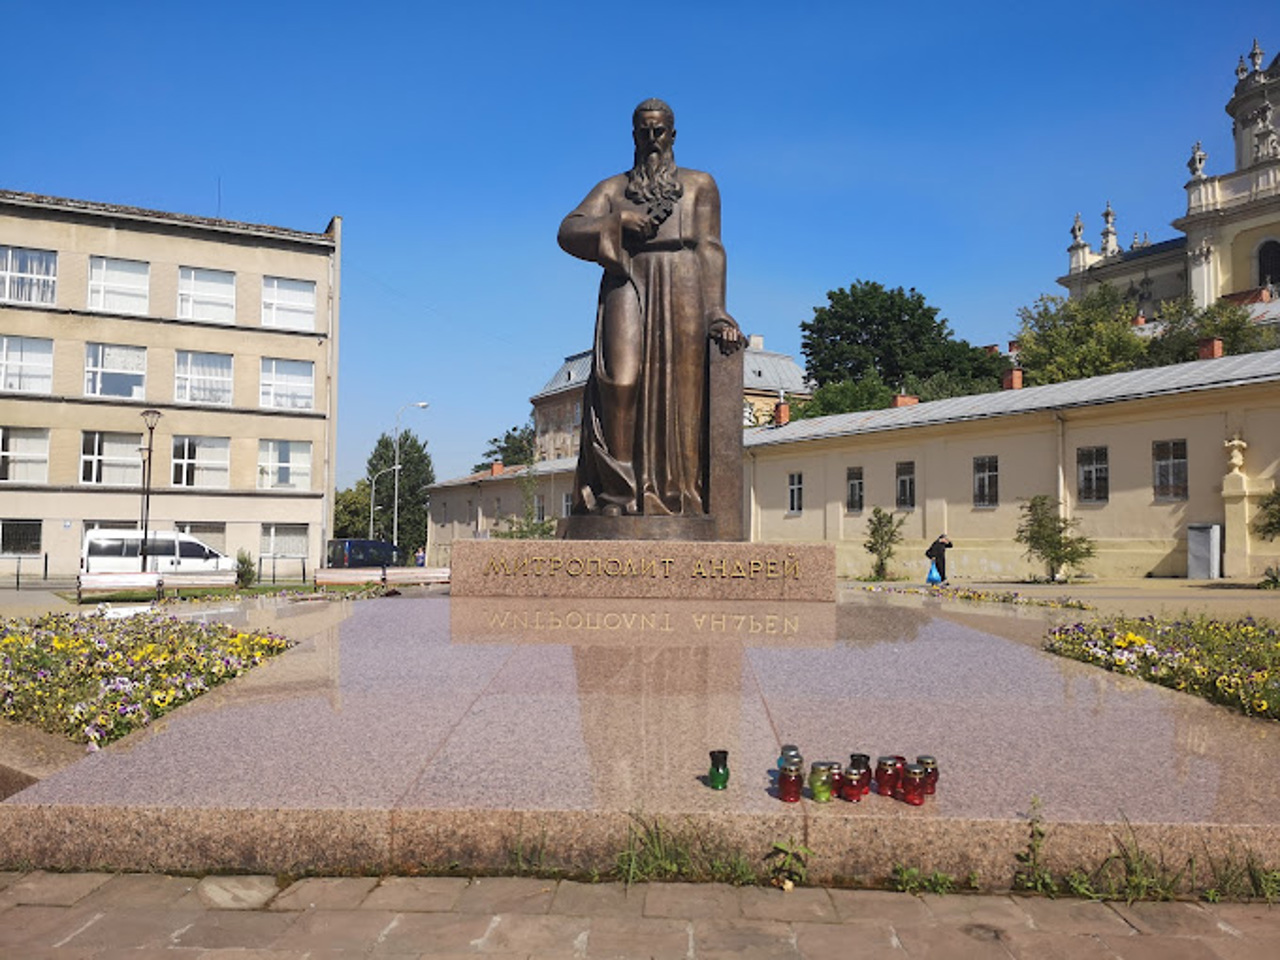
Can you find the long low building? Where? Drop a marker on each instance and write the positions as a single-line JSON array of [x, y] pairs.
[[1143, 460]]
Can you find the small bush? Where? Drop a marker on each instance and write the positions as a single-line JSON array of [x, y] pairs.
[[884, 533], [246, 572]]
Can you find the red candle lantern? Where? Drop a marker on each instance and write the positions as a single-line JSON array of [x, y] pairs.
[[912, 788], [886, 776], [790, 781], [930, 773]]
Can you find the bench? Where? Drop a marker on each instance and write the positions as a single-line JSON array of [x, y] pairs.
[[207, 578], [117, 583], [386, 576]]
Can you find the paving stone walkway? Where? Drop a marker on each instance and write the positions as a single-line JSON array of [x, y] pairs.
[[100, 916]]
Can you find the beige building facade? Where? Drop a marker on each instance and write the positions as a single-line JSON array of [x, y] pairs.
[[229, 330], [1146, 461], [1230, 242]]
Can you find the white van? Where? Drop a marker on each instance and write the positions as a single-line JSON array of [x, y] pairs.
[[117, 551]]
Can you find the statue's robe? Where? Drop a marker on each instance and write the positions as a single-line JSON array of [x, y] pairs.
[[644, 416]]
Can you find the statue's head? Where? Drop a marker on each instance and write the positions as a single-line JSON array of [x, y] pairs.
[[653, 126]]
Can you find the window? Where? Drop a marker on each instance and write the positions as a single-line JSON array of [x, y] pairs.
[[539, 507], [284, 540], [853, 498], [19, 537], [288, 304], [906, 484], [110, 458], [1092, 482], [1269, 263], [26, 364], [28, 276], [206, 295], [795, 492], [118, 286], [284, 465], [24, 455], [201, 462], [1169, 469], [112, 370], [986, 481], [202, 378], [566, 506], [288, 384]]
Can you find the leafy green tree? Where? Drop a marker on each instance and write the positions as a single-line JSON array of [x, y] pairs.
[[514, 447], [1048, 537], [884, 533], [844, 396], [416, 474], [351, 511], [944, 384], [1266, 523], [1183, 326], [526, 525], [1062, 339], [893, 332]]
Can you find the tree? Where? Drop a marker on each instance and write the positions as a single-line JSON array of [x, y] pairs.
[[1266, 523], [844, 396], [893, 332], [416, 474], [1048, 537], [884, 533], [351, 511], [1063, 339], [1182, 326], [513, 447], [526, 525]]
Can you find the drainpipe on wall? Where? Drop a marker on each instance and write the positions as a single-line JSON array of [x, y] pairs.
[[1063, 510]]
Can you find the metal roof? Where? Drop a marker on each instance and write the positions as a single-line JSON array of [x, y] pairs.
[[559, 465], [1133, 385], [572, 373], [763, 371]]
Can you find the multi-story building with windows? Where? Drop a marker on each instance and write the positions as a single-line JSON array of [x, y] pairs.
[[229, 330]]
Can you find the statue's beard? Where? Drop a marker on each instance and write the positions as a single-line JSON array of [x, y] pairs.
[[652, 181]]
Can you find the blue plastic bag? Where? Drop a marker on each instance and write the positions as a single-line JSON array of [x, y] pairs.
[[934, 578]]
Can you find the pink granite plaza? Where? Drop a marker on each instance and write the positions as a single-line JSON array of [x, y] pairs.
[[406, 733]]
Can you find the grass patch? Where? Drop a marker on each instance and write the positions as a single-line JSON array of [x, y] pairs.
[[1235, 663], [656, 851], [93, 679]]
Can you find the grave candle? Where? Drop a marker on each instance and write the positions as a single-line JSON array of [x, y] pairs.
[[820, 782], [718, 776], [930, 773], [790, 780], [913, 784], [886, 776]]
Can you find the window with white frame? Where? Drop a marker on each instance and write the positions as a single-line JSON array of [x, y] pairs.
[[26, 364], [115, 370], [288, 384], [284, 540], [19, 537], [284, 465], [853, 495], [1092, 475], [795, 492], [28, 276], [118, 286], [24, 455], [288, 304], [986, 481], [110, 459], [206, 295], [905, 475], [211, 534], [566, 505], [202, 378], [201, 462], [539, 507], [1169, 469]]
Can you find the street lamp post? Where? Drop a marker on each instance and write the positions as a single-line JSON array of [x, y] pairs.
[[373, 489], [395, 509], [150, 418]]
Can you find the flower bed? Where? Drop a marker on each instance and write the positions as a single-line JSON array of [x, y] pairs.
[[95, 679], [1235, 663], [985, 596]]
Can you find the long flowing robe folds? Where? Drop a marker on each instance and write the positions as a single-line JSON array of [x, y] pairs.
[[644, 420]]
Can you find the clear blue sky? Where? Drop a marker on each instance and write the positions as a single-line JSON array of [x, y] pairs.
[[944, 146]]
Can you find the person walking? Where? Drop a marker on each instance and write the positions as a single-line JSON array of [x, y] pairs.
[[937, 552]]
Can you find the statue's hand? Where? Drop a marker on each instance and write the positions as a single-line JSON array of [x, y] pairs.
[[637, 224], [726, 332]]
